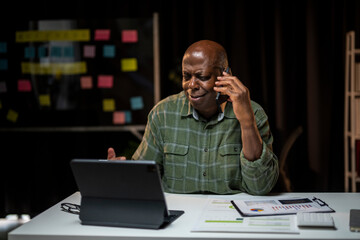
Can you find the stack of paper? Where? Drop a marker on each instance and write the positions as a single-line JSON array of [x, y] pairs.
[[219, 215]]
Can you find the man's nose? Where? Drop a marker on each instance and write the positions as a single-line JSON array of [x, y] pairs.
[[193, 83]]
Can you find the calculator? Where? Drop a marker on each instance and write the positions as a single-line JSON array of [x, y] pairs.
[[313, 219]]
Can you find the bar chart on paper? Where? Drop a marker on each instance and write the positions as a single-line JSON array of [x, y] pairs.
[[268, 207]]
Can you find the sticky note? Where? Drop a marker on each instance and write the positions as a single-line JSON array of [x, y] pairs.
[[86, 82], [44, 100], [68, 51], [55, 51], [42, 52], [3, 47], [129, 36], [109, 51], [119, 117], [45, 68], [105, 81], [3, 88], [102, 34], [108, 105], [3, 64], [136, 103], [128, 118], [53, 35], [29, 52], [24, 85], [129, 65], [89, 51], [12, 115]]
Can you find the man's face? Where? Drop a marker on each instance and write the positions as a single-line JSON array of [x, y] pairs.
[[198, 81]]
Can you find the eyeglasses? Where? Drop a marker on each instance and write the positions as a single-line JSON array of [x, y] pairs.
[[70, 208]]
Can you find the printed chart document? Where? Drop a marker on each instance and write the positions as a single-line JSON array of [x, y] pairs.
[[219, 215], [269, 207]]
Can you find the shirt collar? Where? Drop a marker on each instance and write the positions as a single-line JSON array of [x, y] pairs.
[[186, 109]]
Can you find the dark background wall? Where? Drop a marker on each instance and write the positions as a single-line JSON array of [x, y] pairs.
[[290, 54]]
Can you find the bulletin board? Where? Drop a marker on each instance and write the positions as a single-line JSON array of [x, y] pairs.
[[79, 73]]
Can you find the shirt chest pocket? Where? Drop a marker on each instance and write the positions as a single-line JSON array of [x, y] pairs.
[[229, 163], [230, 149], [175, 156]]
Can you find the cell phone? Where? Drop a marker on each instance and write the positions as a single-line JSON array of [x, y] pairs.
[[354, 220], [220, 98]]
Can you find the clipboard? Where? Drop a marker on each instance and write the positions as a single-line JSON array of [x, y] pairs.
[[286, 206]]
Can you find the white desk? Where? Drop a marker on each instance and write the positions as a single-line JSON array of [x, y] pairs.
[[53, 224]]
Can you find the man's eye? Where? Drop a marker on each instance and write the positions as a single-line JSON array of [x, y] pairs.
[[186, 76], [204, 78]]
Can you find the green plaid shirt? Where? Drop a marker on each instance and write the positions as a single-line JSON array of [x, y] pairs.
[[199, 156]]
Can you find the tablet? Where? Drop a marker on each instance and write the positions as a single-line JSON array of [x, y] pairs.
[[121, 193]]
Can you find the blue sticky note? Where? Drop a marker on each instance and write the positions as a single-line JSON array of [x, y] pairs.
[[136, 103], [3, 47], [29, 52], [3, 64], [109, 51], [55, 51], [68, 51], [128, 118], [42, 52]]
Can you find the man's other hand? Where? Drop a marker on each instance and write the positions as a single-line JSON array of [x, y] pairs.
[[112, 156]]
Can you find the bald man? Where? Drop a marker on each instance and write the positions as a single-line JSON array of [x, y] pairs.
[[203, 147]]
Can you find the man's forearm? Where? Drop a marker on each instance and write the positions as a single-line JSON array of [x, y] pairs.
[[252, 142]]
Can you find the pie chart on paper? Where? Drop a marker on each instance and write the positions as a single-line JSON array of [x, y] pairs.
[[257, 209]]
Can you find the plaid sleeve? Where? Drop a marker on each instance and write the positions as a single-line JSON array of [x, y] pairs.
[[261, 175], [151, 147]]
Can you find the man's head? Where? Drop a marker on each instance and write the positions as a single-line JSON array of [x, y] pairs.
[[203, 61]]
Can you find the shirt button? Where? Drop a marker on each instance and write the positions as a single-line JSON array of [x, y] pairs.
[[204, 174], [235, 149], [205, 149]]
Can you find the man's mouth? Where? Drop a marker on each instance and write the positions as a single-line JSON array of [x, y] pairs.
[[196, 96]]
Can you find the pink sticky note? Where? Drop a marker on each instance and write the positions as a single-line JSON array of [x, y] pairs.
[[24, 85], [129, 36], [102, 34], [119, 117], [89, 51], [105, 81], [86, 82]]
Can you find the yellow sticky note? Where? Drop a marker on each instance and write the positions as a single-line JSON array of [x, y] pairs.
[[129, 65], [12, 115], [70, 68], [108, 105], [44, 100], [53, 35]]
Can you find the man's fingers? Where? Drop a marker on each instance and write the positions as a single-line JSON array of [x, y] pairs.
[[111, 154], [229, 80]]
